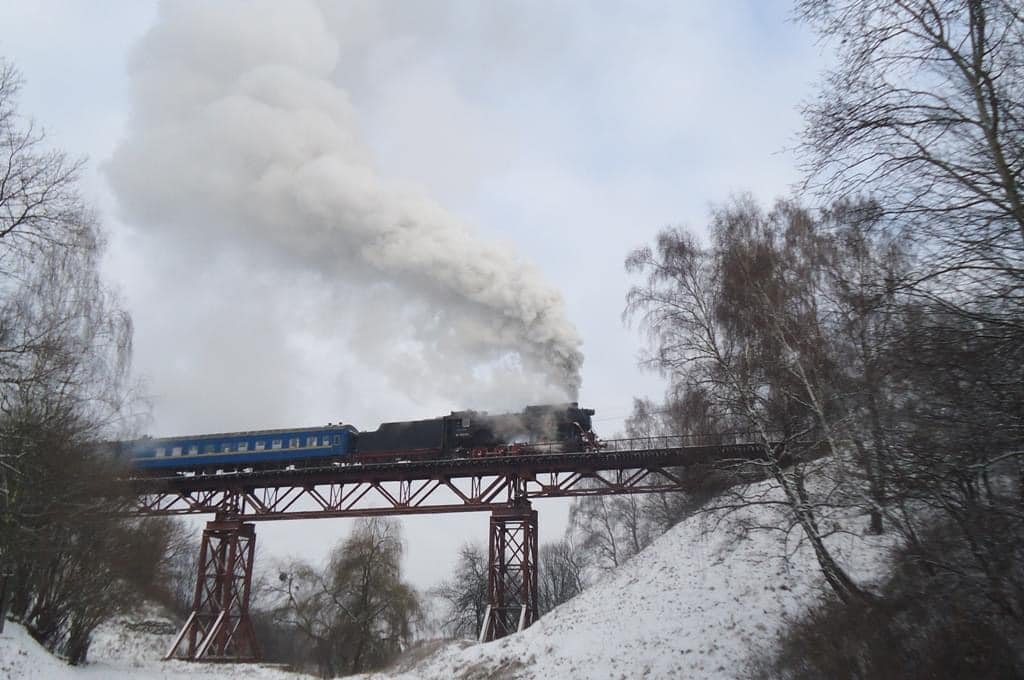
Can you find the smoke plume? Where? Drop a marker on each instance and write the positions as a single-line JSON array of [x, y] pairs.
[[241, 142]]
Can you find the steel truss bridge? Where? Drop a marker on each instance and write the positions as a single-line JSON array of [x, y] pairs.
[[219, 627]]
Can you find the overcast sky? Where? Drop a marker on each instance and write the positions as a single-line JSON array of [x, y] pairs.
[[560, 135]]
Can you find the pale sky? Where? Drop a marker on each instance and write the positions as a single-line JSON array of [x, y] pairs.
[[569, 133]]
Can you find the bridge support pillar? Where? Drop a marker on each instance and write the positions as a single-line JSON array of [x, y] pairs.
[[512, 571], [219, 628]]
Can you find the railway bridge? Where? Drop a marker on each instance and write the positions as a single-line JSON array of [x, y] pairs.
[[219, 627]]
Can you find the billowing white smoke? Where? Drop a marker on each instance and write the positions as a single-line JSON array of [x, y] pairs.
[[239, 140]]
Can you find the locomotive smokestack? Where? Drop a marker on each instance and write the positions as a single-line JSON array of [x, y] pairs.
[[241, 140]]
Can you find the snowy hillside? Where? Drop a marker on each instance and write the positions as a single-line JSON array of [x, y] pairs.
[[695, 604]]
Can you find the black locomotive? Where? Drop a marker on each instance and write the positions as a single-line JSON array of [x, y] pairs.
[[475, 433]]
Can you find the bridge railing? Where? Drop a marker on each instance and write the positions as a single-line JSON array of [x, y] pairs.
[[659, 442], [676, 441]]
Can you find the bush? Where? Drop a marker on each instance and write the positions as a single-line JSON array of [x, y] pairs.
[[925, 624]]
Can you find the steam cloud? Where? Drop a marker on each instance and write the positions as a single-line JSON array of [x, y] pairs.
[[239, 139]]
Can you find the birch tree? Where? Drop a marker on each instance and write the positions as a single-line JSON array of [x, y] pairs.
[[924, 112], [740, 321]]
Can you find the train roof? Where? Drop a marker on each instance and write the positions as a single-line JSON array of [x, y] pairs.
[[248, 433], [532, 408]]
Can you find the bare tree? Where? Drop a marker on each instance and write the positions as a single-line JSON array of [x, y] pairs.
[[602, 525], [62, 332], [359, 614], [464, 596], [924, 111], [561, 575], [65, 347], [741, 323], [690, 413]]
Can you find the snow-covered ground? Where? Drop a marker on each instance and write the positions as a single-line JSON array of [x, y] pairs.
[[124, 649], [695, 604]]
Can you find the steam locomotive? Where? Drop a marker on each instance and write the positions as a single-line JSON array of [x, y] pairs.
[[565, 427]]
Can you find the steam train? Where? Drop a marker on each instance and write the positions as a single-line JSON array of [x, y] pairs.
[[565, 427]]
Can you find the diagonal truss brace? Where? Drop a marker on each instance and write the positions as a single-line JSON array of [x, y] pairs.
[[402, 497], [511, 571], [219, 627]]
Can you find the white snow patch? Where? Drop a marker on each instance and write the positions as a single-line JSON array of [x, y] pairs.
[[127, 648]]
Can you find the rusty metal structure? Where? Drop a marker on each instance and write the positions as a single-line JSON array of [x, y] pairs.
[[219, 627], [511, 572]]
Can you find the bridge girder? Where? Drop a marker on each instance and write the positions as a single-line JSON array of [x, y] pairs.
[[219, 627], [434, 487]]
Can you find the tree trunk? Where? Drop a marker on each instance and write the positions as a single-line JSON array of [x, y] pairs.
[[840, 582], [868, 461]]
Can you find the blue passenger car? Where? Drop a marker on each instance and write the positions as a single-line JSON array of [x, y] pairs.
[[241, 450]]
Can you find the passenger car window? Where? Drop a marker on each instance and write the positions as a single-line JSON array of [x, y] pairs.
[[276, 444]]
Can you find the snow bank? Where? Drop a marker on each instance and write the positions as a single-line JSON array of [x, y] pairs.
[[125, 649], [22, 657], [695, 604]]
